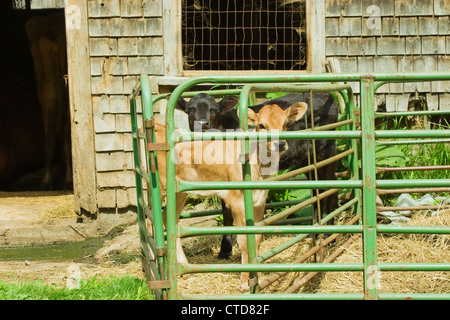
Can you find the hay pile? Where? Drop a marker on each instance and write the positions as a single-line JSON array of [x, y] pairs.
[[37, 205], [398, 248], [205, 250], [391, 248]]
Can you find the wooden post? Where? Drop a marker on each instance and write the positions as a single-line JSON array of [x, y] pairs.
[[315, 11], [172, 37], [83, 150]]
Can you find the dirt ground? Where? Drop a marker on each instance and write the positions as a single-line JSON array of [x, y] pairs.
[[44, 218]]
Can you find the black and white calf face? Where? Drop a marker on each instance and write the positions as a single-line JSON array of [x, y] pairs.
[[202, 110]]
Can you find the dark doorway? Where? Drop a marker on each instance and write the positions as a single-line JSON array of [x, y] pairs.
[[23, 142]]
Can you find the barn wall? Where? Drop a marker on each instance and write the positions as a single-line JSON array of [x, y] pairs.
[[403, 36], [125, 40]]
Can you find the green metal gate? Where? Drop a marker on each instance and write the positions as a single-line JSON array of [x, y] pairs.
[[158, 245]]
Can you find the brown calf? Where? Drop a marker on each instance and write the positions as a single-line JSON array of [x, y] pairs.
[[219, 162]]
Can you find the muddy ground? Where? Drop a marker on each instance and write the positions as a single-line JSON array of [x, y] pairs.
[[45, 218]]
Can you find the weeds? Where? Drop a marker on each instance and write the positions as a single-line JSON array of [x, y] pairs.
[[111, 288]]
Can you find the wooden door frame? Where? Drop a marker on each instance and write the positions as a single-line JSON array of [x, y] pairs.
[[81, 117]]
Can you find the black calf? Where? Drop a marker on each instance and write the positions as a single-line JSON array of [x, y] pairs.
[[205, 113], [202, 110]]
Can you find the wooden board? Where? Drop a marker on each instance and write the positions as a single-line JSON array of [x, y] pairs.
[[83, 152]]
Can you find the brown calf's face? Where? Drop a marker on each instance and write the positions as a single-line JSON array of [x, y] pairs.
[[272, 119]]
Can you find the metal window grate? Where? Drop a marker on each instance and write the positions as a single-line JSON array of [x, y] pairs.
[[244, 34]]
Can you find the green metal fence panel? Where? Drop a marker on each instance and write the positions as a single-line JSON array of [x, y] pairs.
[[162, 262]]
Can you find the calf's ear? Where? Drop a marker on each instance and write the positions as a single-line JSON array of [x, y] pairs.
[[251, 117], [296, 111], [181, 103], [228, 103]]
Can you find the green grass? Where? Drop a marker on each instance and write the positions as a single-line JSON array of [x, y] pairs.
[[111, 288]]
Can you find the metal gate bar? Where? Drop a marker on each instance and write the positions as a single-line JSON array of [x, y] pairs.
[[366, 188]]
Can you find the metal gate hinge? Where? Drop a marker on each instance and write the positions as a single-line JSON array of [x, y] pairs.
[[157, 146], [158, 284], [161, 252], [150, 123]]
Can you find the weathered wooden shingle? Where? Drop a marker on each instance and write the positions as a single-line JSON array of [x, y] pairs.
[[122, 198], [371, 26], [129, 82], [123, 123], [136, 27], [103, 47], [336, 46], [386, 7], [118, 66], [132, 196], [113, 85], [413, 8], [99, 28], [441, 7], [350, 27], [348, 65], [119, 104], [110, 161], [432, 101], [101, 102], [413, 45], [131, 8], [406, 65], [428, 26], [390, 46], [106, 198], [443, 65], [145, 65], [127, 142], [444, 25], [365, 64], [103, 8], [128, 47], [396, 102], [153, 27], [345, 8], [151, 46], [104, 123], [433, 45], [97, 66], [385, 64], [444, 101], [116, 179], [424, 64], [409, 26], [116, 27], [152, 8], [107, 142], [390, 26], [332, 27], [361, 46]]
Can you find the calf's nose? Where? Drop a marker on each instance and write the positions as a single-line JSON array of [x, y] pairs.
[[202, 125], [280, 145]]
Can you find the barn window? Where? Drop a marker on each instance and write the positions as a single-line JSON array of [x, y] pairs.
[[238, 35]]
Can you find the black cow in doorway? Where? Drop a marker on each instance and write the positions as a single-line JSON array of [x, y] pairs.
[[48, 48]]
